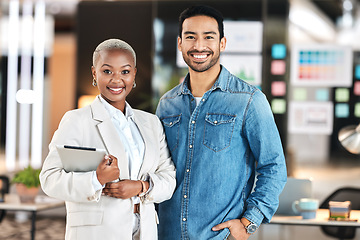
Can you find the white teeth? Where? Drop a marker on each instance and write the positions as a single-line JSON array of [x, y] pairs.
[[199, 56], [116, 89]]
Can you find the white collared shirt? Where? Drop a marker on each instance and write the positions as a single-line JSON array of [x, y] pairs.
[[130, 137]]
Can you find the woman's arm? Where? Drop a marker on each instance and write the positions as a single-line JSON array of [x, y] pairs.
[[55, 182]]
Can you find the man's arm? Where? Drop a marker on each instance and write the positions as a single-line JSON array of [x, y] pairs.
[[265, 144], [264, 140]]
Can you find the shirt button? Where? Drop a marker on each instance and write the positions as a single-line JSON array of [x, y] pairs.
[[190, 146], [214, 122], [187, 170], [184, 219], [193, 122], [170, 123], [185, 196], [203, 100]]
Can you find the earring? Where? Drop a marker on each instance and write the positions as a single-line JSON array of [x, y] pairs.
[[94, 83], [134, 85]]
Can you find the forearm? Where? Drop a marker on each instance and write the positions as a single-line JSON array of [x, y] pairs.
[[74, 187]]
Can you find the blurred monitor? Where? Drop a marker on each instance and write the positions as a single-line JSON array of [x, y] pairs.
[[294, 189]]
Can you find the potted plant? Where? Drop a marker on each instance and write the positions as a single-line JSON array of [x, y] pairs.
[[27, 184]]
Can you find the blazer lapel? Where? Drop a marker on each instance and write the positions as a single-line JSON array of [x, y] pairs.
[[110, 137], [147, 135]]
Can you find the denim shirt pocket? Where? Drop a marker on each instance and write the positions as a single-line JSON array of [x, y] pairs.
[[172, 126], [218, 130]]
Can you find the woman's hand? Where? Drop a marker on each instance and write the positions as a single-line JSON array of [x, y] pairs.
[[108, 170], [123, 189]]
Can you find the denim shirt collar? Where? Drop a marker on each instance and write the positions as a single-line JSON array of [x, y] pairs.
[[221, 82]]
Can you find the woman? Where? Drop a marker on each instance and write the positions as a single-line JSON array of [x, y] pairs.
[[117, 200]]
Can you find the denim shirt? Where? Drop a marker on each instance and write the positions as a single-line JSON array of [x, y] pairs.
[[219, 148]]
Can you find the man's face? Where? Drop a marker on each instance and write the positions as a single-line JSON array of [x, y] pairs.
[[200, 43]]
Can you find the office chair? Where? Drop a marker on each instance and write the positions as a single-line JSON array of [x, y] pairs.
[[5, 186], [342, 194]]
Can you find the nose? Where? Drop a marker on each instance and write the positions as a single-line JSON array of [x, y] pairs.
[[117, 77], [200, 44]]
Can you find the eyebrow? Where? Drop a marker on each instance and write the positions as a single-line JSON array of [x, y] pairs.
[[209, 32], [108, 65]]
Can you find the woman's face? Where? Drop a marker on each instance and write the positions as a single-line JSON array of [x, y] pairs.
[[115, 75]]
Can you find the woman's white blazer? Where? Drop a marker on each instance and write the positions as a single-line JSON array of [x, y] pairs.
[[91, 215]]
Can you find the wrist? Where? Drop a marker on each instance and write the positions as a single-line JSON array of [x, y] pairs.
[[100, 180], [249, 226], [144, 188], [245, 222]]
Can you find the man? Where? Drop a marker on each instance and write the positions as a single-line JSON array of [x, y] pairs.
[[222, 135]]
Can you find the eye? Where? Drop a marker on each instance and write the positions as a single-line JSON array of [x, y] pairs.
[[209, 37], [125, 72], [107, 71], [190, 37]]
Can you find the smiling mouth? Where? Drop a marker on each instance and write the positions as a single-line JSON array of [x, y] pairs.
[[115, 90], [199, 57]]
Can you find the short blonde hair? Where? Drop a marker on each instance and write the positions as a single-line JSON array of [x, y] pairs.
[[113, 44]]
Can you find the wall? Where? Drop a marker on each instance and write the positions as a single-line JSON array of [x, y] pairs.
[[62, 69]]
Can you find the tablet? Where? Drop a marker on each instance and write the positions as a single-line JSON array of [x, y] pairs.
[[80, 159]]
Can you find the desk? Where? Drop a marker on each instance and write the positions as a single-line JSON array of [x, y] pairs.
[[12, 203], [322, 217]]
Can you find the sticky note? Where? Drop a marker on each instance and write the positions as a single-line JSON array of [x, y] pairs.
[[278, 67], [357, 88], [278, 51], [342, 110], [357, 71], [278, 106], [322, 95], [357, 110], [300, 94], [342, 95], [278, 88]]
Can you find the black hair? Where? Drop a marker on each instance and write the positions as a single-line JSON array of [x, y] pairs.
[[202, 11]]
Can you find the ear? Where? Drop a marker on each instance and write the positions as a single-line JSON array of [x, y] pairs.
[[179, 43], [93, 72], [222, 44]]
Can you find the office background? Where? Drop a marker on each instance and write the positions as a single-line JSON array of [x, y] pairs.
[[309, 109]]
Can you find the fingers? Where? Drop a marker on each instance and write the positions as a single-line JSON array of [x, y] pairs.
[[114, 160], [110, 188], [228, 224], [110, 193], [103, 162], [108, 160], [112, 185], [123, 189], [221, 226], [108, 169], [236, 228]]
